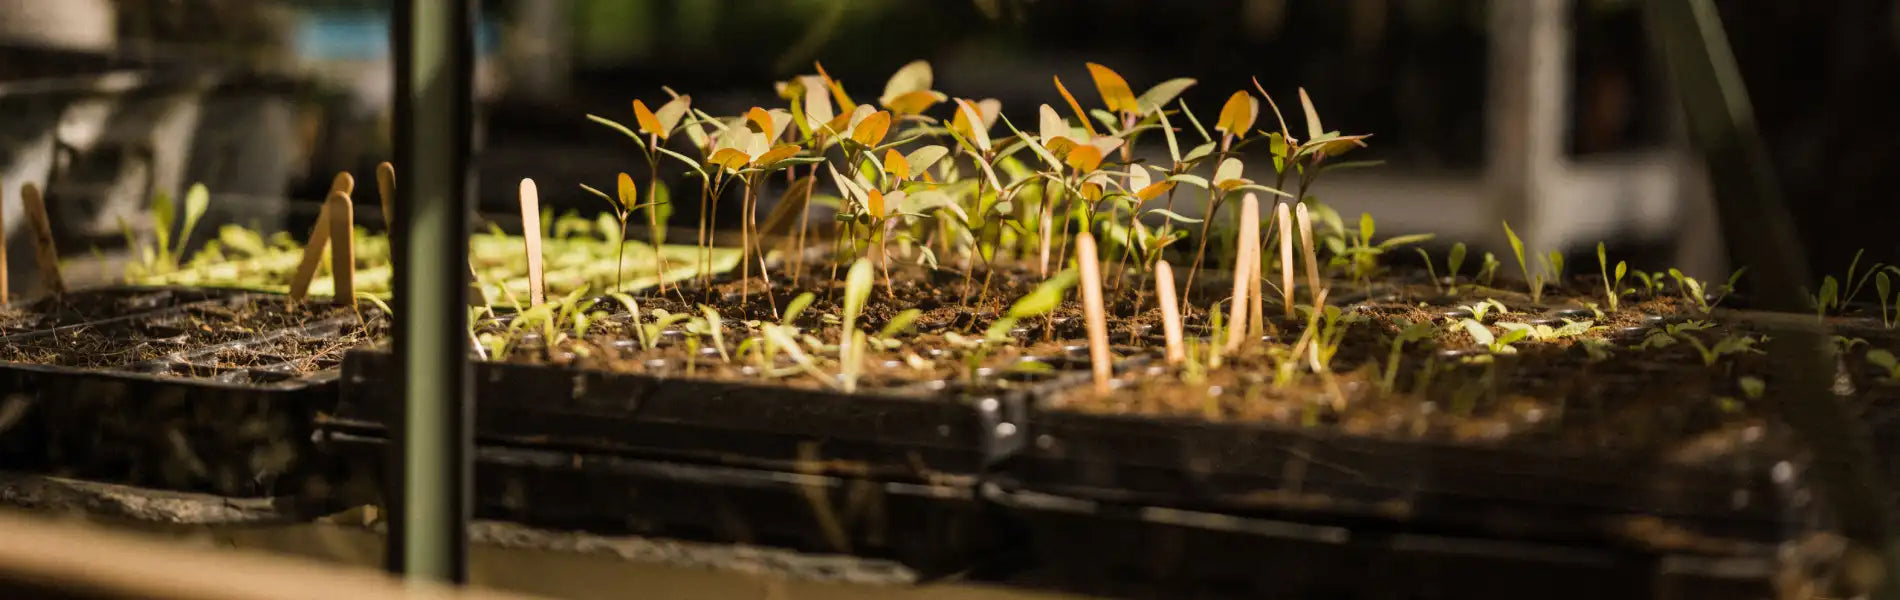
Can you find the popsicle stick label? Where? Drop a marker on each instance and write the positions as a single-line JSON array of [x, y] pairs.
[[1247, 254], [1170, 311], [342, 248], [45, 253], [1085, 257], [312, 255], [531, 235]]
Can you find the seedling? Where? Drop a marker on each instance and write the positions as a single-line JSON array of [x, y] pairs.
[[1481, 310], [1454, 260], [1360, 255], [1612, 286], [1883, 288], [1541, 332], [1495, 344], [1411, 332], [1885, 360], [1734, 344], [1551, 270]]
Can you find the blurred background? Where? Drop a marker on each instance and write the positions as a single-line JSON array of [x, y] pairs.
[[1550, 113]]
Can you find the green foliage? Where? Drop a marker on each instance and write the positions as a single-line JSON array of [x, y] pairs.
[[1612, 285], [1495, 344]]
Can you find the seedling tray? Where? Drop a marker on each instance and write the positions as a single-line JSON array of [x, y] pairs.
[[923, 432], [935, 528], [167, 411]]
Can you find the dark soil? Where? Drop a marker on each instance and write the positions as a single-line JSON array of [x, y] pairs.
[[254, 331]]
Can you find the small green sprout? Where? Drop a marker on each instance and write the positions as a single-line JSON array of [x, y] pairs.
[[1884, 289], [1542, 332], [1736, 344], [1412, 332], [1453, 262], [1495, 344], [1612, 285], [1885, 360], [1481, 310], [1488, 271]]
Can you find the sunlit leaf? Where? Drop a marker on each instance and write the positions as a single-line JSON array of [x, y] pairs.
[[670, 113], [1238, 115], [625, 192], [874, 202], [760, 120], [1162, 93], [990, 109], [1137, 178], [1230, 169], [921, 159], [1046, 297], [1313, 128], [730, 158], [871, 130], [1154, 190], [1167, 131], [773, 156], [1193, 180], [1115, 92], [649, 123], [896, 165], [837, 90], [817, 103], [1084, 158], [967, 114], [910, 103], [911, 78], [1106, 144], [1076, 106], [1174, 216]]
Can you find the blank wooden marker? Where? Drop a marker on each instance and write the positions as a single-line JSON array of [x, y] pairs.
[[44, 252], [342, 247], [5, 290], [1247, 253], [386, 187], [531, 235], [1312, 254], [319, 238], [1097, 317], [1170, 311]]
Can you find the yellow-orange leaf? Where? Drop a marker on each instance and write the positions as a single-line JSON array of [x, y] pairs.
[[875, 203], [1084, 158], [1313, 128], [1154, 190], [967, 113], [774, 155], [628, 194], [1076, 106], [911, 103], [896, 164], [760, 120], [1238, 115], [1059, 145], [648, 123], [1114, 90], [837, 90], [1092, 191], [729, 158], [871, 130]]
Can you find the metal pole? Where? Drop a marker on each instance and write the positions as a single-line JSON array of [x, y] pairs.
[[433, 42]]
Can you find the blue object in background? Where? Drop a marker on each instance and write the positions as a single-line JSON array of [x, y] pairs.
[[364, 36]]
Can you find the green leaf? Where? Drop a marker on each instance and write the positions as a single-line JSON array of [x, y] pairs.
[[1479, 332], [197, 201], [1365, 227], [1198, 152], [1456, 258], [1173, 216], [1193, 180], [898, 324], [1161, 94], [1167, 131], [1513, 336], [164, 215], [1401, 240], [922, 158], [1230, 169], [1517, 245], [1881, 358], [857, 290], [796, 306], [1046, 297], [616, 126]]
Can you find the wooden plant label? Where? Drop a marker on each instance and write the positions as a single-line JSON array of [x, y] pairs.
[[386, 188], [1286, 258], [531, 235], [319, 239], [1312, 254], [44, 252], [342, 247], [1170, 311], [1085, 257], [1247, 253]]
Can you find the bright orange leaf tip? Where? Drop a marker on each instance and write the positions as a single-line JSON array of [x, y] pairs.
[[871, 130], [896, 164], [648, 123], [758, 117], [1237, 116], [1114, 90], [1084, 158], [1076, 106], [837, 90], [773, 156]]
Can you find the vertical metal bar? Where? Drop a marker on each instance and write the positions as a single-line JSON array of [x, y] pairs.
[[433, 42]]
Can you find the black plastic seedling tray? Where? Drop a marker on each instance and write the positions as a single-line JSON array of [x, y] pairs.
[[932, 527], [925, 432], [177, 420]]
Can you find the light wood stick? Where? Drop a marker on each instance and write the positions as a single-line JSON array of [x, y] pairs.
[[1170, 311], [1246, 253], [386, 187], [1286, 259], [44, 252], [342, 247], [1256, 294], [1306, 243], [1085, 257], [531, 235], [319, 239]]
